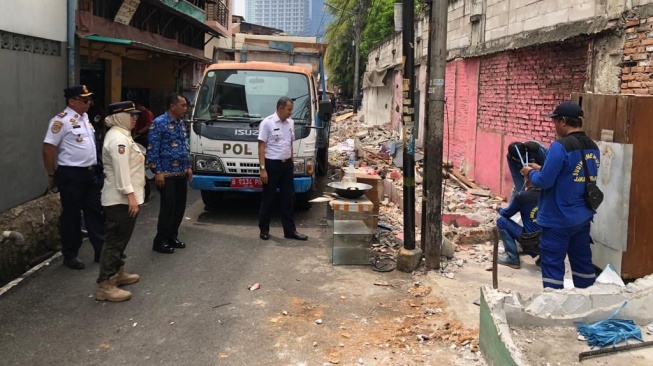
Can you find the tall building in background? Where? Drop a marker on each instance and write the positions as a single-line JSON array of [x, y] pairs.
[[290, 15], [295, 17]]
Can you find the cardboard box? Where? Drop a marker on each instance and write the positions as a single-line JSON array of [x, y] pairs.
[[375, 194]]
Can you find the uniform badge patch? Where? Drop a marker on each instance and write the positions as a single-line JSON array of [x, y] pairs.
[[62, 114], [56, 126], [121, 149]]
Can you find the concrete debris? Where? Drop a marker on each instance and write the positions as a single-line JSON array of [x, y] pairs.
[[469, 210]]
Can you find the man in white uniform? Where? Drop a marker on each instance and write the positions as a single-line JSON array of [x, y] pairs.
[[275, 138], [70, 143]]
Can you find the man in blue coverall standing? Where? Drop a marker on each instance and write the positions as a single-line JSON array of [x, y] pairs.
[[563, 213], [525, 202]]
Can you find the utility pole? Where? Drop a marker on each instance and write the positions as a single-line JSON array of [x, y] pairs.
[[409, 257], [434, 133]]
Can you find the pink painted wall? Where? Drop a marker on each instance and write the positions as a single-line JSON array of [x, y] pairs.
[[489, 153], [461, 93]]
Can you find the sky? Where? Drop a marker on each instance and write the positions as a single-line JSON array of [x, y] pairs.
[[239, 7]]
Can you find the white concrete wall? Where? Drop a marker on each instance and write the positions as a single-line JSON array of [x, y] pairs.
[[37, 18], [459, 28]]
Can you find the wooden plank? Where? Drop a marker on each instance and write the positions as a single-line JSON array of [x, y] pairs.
[[599, 114], [343, 117], [464, 179], [460, 183], [622, 120], [637, 261], [481, 192]]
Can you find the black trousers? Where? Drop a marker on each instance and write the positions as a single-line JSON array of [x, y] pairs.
[[79, 190], [119, 228], [280, 176], [172, 208]]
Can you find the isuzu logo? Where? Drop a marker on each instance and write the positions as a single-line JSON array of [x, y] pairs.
[[246, 132]]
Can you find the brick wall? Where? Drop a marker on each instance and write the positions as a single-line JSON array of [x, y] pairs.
[[517, 87], [637, 65]]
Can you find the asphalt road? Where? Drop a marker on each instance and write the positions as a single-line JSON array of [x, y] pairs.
[[194, 307]]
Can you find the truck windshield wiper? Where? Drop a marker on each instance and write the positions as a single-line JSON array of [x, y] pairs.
[[301, 96]]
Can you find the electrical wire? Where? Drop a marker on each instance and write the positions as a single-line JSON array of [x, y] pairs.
[[320, 26]]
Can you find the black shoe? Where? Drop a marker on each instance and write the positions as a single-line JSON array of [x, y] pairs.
[[177, 244], [296, 236], [163, 247], [74, 263], [265, 236]]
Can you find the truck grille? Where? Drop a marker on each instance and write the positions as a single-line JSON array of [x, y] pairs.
[[242, 168]]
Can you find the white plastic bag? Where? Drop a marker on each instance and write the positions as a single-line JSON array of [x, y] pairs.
[[610, 276]]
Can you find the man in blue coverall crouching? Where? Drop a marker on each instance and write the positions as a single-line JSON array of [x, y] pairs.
[[525, 202]]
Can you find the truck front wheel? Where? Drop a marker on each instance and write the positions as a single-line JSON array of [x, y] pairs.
[[212, 199], [302, 201], [322, 161]]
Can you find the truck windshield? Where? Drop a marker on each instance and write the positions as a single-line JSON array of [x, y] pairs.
[[237, 95]]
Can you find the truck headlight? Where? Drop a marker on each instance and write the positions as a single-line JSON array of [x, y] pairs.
[[207, 163], [300, 166]]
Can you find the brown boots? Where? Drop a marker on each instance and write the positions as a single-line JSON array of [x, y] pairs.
[[108, 290], [124, 278]]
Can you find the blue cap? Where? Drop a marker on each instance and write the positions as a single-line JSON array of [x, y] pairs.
[[566, 109]]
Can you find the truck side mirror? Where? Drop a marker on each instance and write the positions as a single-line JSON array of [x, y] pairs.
[[325, 110]]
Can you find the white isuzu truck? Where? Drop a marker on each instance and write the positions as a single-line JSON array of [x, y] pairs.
[[234, 97]]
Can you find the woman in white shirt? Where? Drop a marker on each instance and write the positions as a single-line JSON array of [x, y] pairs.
[[122, 196]]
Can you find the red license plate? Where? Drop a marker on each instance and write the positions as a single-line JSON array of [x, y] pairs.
[[246, 183]]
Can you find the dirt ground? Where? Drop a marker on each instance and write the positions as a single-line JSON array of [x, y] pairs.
[[395, 322]]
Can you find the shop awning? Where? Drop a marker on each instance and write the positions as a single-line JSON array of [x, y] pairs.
[[97, 29], [144, 46]]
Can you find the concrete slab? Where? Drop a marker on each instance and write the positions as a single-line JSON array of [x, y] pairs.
[[511, 322]]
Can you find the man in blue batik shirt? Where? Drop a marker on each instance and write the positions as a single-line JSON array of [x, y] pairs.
[[169, 159], [563, 213]]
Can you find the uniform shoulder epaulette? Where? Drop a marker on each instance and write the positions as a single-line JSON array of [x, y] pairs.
[[62, 114]]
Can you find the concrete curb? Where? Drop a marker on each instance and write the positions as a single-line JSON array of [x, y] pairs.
[[552, 308], [36, 269]]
